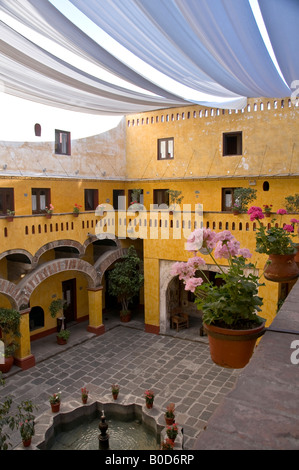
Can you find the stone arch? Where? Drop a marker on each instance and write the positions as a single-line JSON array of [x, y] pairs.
[[165, 279], [18, 251], [107, 259], [94, 238], [46, 270], [11, 291], [56, 244]]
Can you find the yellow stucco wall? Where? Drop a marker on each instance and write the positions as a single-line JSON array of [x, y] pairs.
[[126, 158], [270, 142], [199, 170]]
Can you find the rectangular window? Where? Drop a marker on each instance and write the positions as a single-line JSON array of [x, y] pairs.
[[40, 199], [165, 148], [161, 196], [6, 200], [62, 142], [119, 199], [135, 196], [232, 143], [228, 199], [91, 200]]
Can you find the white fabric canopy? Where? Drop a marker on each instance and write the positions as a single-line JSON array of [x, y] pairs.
[[213, 47], [281, 18]]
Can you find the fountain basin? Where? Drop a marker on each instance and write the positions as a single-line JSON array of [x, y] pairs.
[[78, 428]]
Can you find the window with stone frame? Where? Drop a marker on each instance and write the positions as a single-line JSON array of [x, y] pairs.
[[166, 148]]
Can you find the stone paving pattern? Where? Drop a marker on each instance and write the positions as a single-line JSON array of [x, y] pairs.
[[178, 370]]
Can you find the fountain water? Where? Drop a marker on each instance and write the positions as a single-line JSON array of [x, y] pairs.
[[129, 429]]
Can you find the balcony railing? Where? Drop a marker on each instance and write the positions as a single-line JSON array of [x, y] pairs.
[[36, 230]]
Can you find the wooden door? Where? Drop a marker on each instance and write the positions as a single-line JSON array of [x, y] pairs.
[[69, 295]]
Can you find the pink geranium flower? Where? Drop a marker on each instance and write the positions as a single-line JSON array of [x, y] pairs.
[[255, 213], [281, 211], [192, 283], [288, 228], [194, 241], [196, 262]]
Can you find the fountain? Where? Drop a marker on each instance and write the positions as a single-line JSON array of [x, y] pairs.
[[130, 428]]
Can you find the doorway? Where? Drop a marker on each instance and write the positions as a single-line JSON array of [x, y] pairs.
[[69, 295], [119, 199]]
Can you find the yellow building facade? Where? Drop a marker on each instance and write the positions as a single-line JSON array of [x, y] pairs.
[[203, 152]]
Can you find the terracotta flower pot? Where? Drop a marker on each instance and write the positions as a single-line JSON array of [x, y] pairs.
[[115, 395], [61, 340], [149, 405], [8, 362], [55, 407], [169, 421], [282, 268], [84, 400], [27, 442], [232, 348], [125, 316]]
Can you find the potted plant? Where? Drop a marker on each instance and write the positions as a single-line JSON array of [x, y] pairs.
[[135, 203], [10, 215], [169, 414], [55, 402], [27, 431], [295, 222], [230, 307], [292, 203], [267, 210], [115, 390], [276, 242], [56, 306], [149, 398], [9, 350], [10, 329], [63, 336], [236, 208], [76, 210], [26, 421], [167, 444], [243, 197], [84, 395], [172, 431], [175, 198], [49, 211], [125, 281]]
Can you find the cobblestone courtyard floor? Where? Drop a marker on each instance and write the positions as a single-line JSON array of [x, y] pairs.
[[178, 370]]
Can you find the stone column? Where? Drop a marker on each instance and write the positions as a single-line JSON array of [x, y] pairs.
[[95, 311], [23, 357]]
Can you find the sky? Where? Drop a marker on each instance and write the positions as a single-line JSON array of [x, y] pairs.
[[18, 126]]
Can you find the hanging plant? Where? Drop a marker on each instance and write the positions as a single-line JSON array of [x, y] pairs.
[[56, 306]]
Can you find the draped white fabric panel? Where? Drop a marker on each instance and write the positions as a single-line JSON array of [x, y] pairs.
[[213, 47], [31, 72], [281, 18]]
